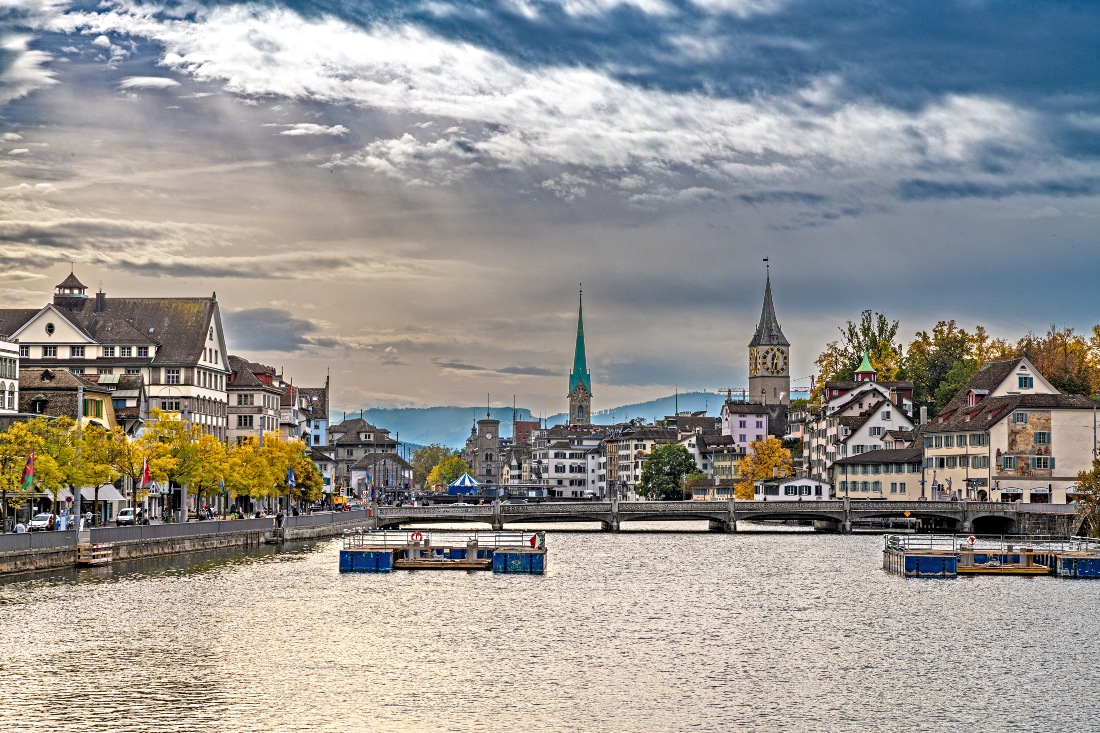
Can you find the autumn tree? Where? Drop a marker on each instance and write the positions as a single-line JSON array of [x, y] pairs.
[[249, 475], [447, 471], [1064, 357], [766, 458], [211, 466], [426, 458], [16, 444], [664, 471]]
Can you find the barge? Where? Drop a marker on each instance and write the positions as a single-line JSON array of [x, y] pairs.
[[949, 556], [386, 550]]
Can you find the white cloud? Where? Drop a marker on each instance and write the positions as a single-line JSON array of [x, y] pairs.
[[26, 70], [19, 151], [505, 116], [308, 128], [11, 137], [147, 82], [741, 8]]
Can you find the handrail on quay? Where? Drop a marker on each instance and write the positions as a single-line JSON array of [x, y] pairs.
[[397, 538], [989, 543]]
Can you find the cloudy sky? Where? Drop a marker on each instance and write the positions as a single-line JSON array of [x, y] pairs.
[[410, 193]]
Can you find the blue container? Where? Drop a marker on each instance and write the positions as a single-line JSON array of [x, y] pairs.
[[345, 561], [538, 563]]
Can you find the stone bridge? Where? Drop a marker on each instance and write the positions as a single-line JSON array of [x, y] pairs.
[[836, 515]]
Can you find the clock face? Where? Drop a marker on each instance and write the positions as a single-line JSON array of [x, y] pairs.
[[754, 362], [489, 436], [774, 361]]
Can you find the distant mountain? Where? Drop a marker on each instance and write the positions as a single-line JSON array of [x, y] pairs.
[[451, 425]]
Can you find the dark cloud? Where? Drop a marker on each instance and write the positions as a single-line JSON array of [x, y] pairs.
[[922, 189], [272, 329], [524, 371]]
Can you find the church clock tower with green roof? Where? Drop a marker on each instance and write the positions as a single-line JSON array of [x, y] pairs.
[[580, 380]]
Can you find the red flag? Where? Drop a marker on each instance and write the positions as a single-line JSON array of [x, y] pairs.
[[145, 477], [533, 538]]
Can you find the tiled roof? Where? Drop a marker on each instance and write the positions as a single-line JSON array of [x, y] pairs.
[[986, 379], [241, 374], [745, 408], [992, 410], [885, 455], [852, 384], [372, 459], [72, 282], [13, 319]]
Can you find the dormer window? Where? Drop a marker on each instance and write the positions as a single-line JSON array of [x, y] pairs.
[[1025, 382]]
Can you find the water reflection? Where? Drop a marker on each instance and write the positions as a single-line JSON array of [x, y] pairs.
[[628, 632]]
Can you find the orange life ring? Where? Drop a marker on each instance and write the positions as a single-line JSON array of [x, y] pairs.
[[416, 536]]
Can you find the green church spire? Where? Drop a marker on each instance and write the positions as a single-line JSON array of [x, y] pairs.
[[865, 365], [580, 374]]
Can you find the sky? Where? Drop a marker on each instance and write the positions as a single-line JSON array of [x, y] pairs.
[[410, 194]]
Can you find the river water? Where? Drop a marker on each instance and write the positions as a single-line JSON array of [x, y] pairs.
[[673, 631]]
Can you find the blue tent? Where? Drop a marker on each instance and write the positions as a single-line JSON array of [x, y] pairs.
[[464, 485]]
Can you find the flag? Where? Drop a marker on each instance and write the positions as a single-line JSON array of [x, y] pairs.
[[533, 540], [222, 484], [28, 472], [290, 477], [146, 477]]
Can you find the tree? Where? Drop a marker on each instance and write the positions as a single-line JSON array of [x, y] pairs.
[[766, 458], [1064, 358], [931, 356], [426, 458], [1088, 499], [248, 473], [447, 470], [874, 334], [16, 444], [664, 470], [693, 481], [955, 379], [211, 466]]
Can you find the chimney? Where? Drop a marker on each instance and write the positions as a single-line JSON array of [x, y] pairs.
[[923, 414], [100, 303]]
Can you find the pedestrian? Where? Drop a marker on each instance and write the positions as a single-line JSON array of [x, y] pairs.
[[279, 519], [20, 528], [51, 524]]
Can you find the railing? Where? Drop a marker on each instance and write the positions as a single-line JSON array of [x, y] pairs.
[[989, 543], [20, 542], [437, 511], [183, 529], [322, 518], [672, 507], [390, 538], [587, 507]]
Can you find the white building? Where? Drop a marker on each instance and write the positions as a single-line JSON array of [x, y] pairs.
[[9, 377], [790, 489], [1008, 435], [745, 422], [176, 344]]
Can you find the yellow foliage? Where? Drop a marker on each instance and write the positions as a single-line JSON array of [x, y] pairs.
[[766, 458]]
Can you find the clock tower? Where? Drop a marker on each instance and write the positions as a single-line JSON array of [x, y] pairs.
[[769, 358], [580, 379]]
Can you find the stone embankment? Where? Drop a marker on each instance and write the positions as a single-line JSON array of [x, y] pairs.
[[30, 552]]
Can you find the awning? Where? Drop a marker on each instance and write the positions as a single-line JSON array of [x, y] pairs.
[[1011, 491], [107, 492]]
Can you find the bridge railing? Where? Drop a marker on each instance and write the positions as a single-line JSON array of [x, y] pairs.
[[483, 510], [587, 507], [671, 507]]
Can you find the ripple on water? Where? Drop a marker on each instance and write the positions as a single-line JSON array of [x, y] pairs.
[[628, 632]]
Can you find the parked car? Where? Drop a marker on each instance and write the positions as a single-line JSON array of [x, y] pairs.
[[128, 517], [40, 522]]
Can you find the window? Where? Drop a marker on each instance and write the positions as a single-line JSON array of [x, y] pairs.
[[790, 491], [170, 405], [901, 487], [126, 351], [1042, 462], [559, 468], [143, 351], [1042, 438], [951, 462], [741, 423], [878, 431], [1008, 463], [246, 399], [76, 370], [927, 442], [244, 421], [133, 371], [349, 452], [949, 441], [106, 370], [843, 485], [1025, 382], [964, 461], [741, 438], [939, 462], [109, 351], [759, 424], [49, 351], [1019, 417], [25, 351], [938, 440], [864, 486], [893, 487], [876, 486], [171, 376], [885, 414], [877, 468]]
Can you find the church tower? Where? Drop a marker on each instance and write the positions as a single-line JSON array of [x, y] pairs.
[[580, 380], [769, 357]]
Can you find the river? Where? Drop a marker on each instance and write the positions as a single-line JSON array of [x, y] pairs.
[[671, 631]]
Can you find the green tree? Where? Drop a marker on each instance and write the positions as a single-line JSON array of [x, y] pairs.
[[873, 333], [1088, 499], [931, 356], [955, 379], [426, 458], [447, 470], [766, 458], [664, 470], [692, 481]]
